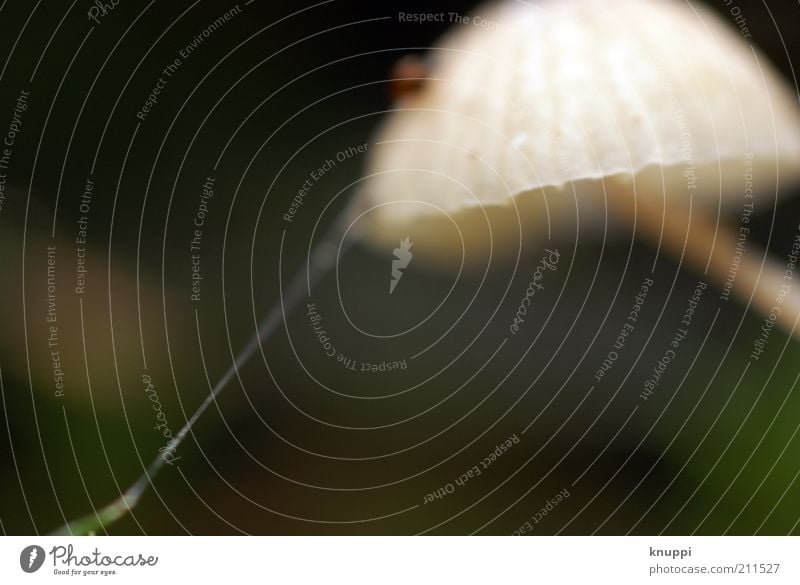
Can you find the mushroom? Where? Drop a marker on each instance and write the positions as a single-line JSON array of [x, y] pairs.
[[558, 117], [564, 118]]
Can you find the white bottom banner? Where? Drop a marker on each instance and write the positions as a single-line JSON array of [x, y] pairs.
[[400, 560]]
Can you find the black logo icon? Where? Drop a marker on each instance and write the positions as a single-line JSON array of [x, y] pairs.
[[31, 558]]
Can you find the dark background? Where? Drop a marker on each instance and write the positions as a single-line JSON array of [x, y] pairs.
[[714, 451]]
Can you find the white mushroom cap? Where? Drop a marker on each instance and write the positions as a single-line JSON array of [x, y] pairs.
[[533, 116]]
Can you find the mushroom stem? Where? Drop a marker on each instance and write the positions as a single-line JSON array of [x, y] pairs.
[[710, 248], [320, 261]]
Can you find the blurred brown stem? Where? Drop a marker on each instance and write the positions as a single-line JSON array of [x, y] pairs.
[[692, 236], [320, 261]]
